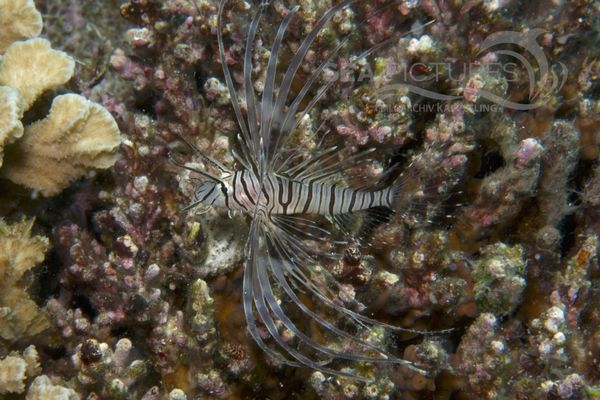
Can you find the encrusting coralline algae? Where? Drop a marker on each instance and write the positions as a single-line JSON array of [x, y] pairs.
[[497, 236]]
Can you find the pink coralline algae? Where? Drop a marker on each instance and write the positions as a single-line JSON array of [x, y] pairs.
[[490, 259]]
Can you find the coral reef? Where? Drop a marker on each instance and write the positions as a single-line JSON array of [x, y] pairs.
[[499, 279], [13, 372], [77, 135], [19, 371], [494, 247], [42, 388], [11, 109], [16, 369], [19, 20], [110, 371], [20, 317], [33, 67]]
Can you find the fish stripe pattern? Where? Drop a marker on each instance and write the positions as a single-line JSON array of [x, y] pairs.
[[284, 200]]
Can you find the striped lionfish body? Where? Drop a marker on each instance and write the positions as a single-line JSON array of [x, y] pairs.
[[280, 198], [286, 196]]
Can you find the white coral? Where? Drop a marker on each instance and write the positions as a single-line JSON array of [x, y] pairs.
[[13, 371], [42, 388]]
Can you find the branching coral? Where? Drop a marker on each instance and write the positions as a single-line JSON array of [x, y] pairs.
[[12, 375], [559, 160], [77, 135], [112, 370], [19, 252], [17, 371], [19, 19], [496, 234], [499, 278], [502, 194]]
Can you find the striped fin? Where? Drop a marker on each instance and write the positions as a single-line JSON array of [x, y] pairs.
[[246, 143], [255, 244], [304, 228], [277, 257], [253, 111], [330, 166], [277, 116], [289, 121], [268, 93], [269, 123]]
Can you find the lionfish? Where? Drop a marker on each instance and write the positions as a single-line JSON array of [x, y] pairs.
[[282, 201]]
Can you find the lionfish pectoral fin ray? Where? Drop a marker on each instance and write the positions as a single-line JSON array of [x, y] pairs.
[[316, 158], [290, 121], [323, 90], [277, 270], [256, 279], [268, 92], [205, 156], [230, 86], [273, 304], [423, 192], [278, 264], [320, 171], [284, 163], [280, 235], [183, 165], [240, 159], [318, 365], [368, 182], [244, 158], [248, 295], [301, 227], [253, 111], [265, 305], [289, 246]]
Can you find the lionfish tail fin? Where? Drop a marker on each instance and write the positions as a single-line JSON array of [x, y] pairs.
[[426, 194]]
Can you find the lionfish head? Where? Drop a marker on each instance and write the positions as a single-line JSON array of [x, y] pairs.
[[211, 193]]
